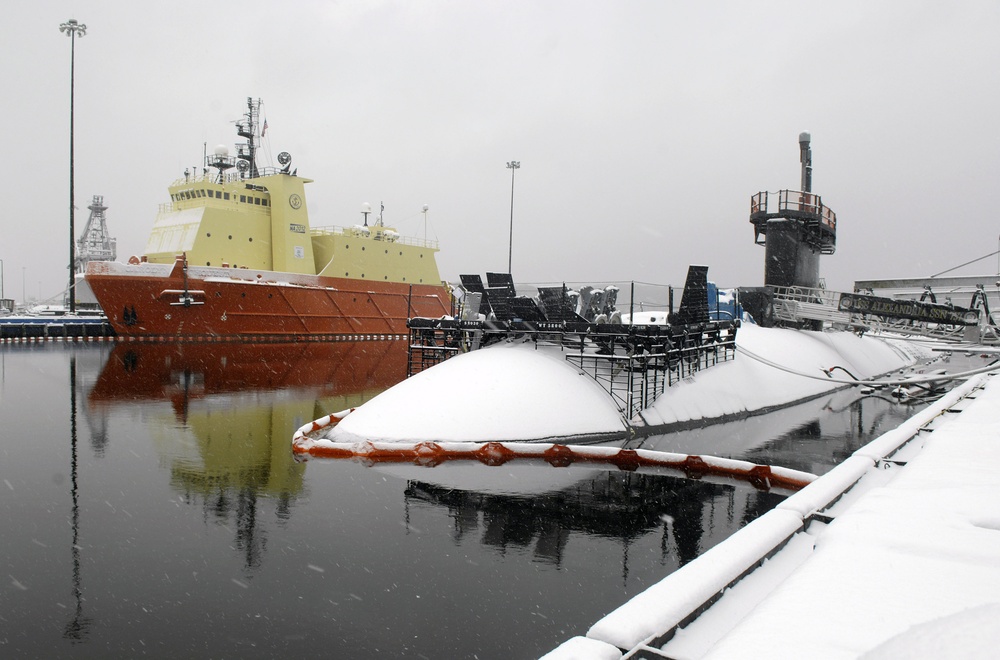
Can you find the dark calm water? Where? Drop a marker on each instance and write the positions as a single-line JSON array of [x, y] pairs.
[[151, 506]]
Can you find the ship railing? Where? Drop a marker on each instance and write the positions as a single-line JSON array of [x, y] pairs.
[[386, 234], [635, 379], [633, 364], [795, 203], [212, 176]]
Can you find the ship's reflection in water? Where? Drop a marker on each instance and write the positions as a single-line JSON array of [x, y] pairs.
[[233, 406], [186, 528], [616, 505]]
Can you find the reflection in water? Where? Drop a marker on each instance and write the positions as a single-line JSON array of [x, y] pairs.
[[182, 372], [812, 437], [616, 504], [235, 404], [833, 436], [77, 629], [232, 445]]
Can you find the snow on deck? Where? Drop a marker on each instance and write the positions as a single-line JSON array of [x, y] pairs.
[[505, 392], [513, 391], [798, 360], [908, 565]]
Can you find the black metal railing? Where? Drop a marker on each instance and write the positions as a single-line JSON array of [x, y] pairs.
[[634, 364], [819, 220]]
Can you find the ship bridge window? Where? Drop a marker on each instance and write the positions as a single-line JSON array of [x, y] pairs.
[[256, 201], [225, 196], [243, 198]]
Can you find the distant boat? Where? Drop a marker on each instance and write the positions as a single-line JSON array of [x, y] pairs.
[[233, 255]]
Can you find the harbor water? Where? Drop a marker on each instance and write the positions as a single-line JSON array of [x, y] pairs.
[[152, 506]]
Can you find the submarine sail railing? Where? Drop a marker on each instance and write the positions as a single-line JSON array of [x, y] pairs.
[[633, 364]]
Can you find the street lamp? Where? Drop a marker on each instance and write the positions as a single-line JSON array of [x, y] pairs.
[[71, 28], [512, 166]]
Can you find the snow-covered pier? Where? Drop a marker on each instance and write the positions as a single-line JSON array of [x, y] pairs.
[[893, 553]]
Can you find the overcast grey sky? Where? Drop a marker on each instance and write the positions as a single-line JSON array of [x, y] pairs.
[[642, 128]]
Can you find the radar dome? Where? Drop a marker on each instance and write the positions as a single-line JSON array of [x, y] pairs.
[[221, 150]]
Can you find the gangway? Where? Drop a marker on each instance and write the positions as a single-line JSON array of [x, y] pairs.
[[794, 304], [797, 306]]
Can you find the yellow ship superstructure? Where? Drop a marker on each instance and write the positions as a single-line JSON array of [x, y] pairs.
[[263, 224]]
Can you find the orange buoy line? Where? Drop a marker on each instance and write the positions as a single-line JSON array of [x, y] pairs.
[[301, 436], [430, 454]]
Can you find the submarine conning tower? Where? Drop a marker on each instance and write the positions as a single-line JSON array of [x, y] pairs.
[[795, 228]]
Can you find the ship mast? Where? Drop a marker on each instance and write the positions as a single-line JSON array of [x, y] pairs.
[[248, 129], [246, 153]]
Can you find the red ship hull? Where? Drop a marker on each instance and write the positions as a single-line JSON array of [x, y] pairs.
[[159, 300]]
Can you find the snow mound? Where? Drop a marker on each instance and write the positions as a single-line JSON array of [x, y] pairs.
[[504, 392], [791, 368]]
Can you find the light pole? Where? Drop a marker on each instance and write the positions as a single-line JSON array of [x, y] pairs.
[[512, 166], [71, 28]]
